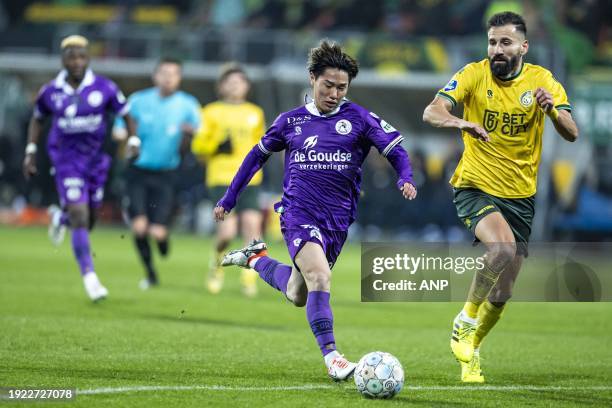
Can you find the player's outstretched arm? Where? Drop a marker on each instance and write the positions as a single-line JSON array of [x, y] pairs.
[[250, 165], [561, 119], [437, 114], [398, 158], [29, 162]]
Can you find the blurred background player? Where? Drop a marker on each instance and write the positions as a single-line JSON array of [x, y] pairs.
[[325, 143], [495, 181], [230, 127], [166, 118], [77, 100]]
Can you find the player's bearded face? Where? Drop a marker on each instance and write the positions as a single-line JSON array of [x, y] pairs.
[[329, 88], [505, 51], [502, 66]]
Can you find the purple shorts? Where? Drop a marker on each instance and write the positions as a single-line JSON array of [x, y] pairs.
[[81, 181], [297, 234]]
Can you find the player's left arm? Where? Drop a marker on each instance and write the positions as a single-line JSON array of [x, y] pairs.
[[560, 117], [552, 99], [388, 142]]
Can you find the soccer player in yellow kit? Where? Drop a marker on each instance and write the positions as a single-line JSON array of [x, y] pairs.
[[230, 128], [505, 104]]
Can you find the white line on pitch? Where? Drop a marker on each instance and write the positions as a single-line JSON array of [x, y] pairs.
[[310, 387]]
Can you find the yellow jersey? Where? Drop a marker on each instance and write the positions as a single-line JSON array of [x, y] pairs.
[[507, 165], [228, 133]]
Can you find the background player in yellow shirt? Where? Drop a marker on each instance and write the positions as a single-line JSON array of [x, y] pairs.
[[230, 128], [505, 104]]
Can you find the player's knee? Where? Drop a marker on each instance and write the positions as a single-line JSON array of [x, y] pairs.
[[501, 254], [78, 216], [139, 226], [158, 232], [319, 278]]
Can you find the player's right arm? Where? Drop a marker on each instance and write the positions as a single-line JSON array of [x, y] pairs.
[[34, 130], [272, 141], [438, 112]]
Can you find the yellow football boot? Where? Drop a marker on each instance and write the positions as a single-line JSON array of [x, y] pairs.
[[462, 339], [470, 372]]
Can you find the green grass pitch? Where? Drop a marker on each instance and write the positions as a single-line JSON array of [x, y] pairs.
[[230, 350]]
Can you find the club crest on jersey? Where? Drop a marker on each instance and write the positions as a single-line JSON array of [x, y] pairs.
[[526, 99], [343, 127], [489, 93], [310, 142], [95, 99], [452, 84], [298, 130]]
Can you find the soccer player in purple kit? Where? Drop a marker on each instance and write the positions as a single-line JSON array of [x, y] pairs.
[[325, 143], [77, 100]]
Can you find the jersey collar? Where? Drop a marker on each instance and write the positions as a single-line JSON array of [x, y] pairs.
[[312, 108], [60, 81], [513, 76]]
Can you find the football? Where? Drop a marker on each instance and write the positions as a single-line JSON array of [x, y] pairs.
[[379, 375]]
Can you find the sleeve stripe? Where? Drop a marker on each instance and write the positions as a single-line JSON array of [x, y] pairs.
[[447, 96], [564, 107], [263, 149], [391, 145]]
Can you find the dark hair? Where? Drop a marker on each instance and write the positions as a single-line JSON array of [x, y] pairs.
[[505, 18], [230, 69], [330, 55], [168, 60]]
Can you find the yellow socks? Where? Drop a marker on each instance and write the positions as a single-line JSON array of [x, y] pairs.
[[471, 309], [488, 315]]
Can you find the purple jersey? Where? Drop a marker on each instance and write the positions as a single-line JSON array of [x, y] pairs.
[[77, 134], [79, 115], [323, 159]]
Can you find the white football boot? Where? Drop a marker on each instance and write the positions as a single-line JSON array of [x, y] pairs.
[[57, 231], [93, 287], [338, 367], [241, 257]]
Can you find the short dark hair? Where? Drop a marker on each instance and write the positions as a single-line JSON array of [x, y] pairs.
[[505, 18], [230, 69], [169, 60], [330, 55]]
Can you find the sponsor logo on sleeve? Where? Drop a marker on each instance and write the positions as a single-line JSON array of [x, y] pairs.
[[386, 127], [452, 85]]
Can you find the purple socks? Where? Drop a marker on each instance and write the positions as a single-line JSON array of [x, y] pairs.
[[82, 252], [321, 320], [318, 311], [273, 272]]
